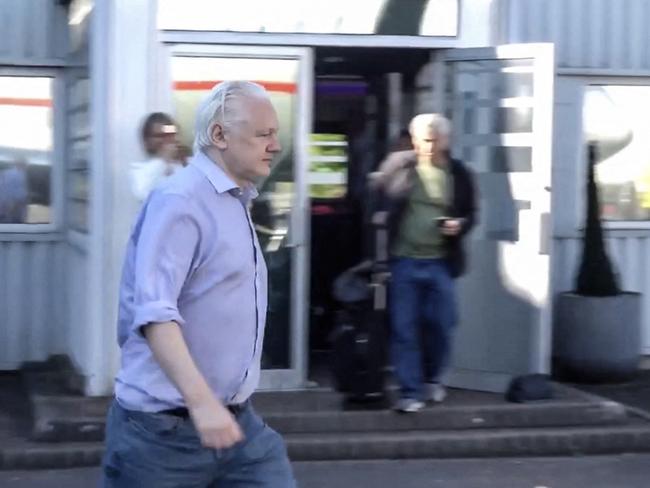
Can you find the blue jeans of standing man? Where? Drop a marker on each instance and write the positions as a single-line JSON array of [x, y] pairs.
[[423, 315], [164, 451]]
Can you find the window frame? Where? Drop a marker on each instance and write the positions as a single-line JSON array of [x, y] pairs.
[[610, 80], [57, 189]]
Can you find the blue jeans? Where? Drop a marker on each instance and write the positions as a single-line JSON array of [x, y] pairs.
[[164, 451], [423, 315]]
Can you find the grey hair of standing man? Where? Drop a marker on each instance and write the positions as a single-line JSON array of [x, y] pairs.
[[237, 127], [435, 122], [220, 107]]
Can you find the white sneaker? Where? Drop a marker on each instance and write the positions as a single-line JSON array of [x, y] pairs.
[[435, 392], [409, 405]]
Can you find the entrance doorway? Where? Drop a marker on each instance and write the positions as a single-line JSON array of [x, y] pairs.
[[363, 99], [500, 103]]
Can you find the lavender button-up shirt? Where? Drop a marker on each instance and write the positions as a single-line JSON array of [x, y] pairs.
[[193, 258]]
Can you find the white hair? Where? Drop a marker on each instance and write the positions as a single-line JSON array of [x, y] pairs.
[[431, 122], [217, 108]]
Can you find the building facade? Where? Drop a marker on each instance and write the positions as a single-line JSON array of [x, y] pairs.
[[525, 83]]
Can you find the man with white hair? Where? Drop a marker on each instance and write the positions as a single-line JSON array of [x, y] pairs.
[[431, 207], [192, 312]]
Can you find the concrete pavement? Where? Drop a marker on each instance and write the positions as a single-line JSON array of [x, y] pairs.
[[624, 471], [635, 393]]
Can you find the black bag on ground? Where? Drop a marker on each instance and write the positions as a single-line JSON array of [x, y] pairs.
[[359, 340], [356, 363], [530, 387]]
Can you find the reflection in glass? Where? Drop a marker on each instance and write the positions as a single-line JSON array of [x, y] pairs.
[[328, 168], [512, 120], [491, 99], [508, 159], [512, 84], [193, 77], [25, 149], [615, 119]]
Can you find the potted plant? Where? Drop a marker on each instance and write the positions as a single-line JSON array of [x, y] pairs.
[[597, 327]]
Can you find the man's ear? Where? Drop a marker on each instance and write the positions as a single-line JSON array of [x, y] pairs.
[[218, 136]]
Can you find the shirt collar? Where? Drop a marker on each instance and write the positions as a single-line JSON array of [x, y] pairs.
[[217, 177]]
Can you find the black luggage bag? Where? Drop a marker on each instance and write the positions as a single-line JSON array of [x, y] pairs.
[[359, 340]]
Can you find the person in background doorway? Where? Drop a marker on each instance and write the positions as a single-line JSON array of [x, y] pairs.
[[192, 312], [431, 206], [160, 141], [14, 193]]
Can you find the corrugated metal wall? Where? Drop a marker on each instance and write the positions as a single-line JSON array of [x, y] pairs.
[[595, 34], [591, 37], [32, 309], [76, 328], [629, 251], [32, 31], [36, 269]]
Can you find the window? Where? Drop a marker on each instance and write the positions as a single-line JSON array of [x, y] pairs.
[[26, 142], [615, 119]]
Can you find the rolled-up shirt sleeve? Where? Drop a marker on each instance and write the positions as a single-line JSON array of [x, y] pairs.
[[165, 250]]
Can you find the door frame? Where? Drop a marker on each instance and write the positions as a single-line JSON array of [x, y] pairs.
[[295, 376], [257, 39]]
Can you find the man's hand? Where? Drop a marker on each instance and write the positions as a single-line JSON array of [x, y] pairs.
[[450, 227], [216, 426]]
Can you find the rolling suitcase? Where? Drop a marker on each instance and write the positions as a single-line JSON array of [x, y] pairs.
[[359, 341]]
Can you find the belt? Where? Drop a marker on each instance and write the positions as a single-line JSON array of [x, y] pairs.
[[182, 412]]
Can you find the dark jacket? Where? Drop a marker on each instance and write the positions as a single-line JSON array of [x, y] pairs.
[[395, 180]]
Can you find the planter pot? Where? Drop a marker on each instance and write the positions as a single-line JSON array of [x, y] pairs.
[[597, 339]]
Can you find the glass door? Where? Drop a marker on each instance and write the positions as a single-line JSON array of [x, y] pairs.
[[500, 101], [280, 213]]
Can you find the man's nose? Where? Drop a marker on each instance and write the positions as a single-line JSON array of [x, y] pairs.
[[275, 146]]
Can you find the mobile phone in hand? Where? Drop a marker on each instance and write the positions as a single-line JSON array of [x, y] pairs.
[[440, 221]]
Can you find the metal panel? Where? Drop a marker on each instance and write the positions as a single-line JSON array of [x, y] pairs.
[[592, 34], [75, 330], [16, 261], [34, 31], [629, 252], [57, 335], [638, 52], [4, 304], [29, 312]]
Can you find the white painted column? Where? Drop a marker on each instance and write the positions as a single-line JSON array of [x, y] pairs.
[[123, 46]]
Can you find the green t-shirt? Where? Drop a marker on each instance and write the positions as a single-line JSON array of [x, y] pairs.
[[419, 235]]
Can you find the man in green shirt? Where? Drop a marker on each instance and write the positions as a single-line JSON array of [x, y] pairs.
[[418, 236], [431, 207]]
